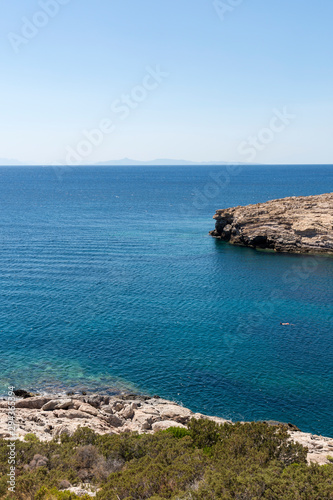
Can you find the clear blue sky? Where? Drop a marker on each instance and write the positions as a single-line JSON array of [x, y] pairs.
[[226, 76]]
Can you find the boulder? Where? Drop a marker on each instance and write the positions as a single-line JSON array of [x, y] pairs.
[[149, 410], [38, 461], [166, 424], [176, 413], [114, 421], [97, 400], [158, 401], [136, 397], [35, 403], [217, 420], [64, 484], [290, 427], [22, 394], [107, 409], [4, 435], [117, 405], [143, 420], [128, 412], [57, 404], [76, 403], [87, 408], [72, 414], [59, 430]]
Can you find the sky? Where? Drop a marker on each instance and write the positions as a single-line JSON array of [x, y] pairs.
[[201, 80]]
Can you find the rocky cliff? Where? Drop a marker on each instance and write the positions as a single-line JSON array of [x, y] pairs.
[[302, 224]]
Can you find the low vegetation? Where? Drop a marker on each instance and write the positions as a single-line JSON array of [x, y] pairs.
[[206, 461]]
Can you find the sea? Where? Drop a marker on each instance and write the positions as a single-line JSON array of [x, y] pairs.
[[109, 281]]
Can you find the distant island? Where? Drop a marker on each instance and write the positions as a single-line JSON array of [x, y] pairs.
[[124, 162], [299, 224], [5, 162], [128, 162], [163, 161]]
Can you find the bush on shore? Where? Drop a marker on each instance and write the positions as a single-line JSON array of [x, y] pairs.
[[206, 461]]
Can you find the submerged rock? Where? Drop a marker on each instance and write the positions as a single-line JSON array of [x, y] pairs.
[[20, 393], [300, 224]]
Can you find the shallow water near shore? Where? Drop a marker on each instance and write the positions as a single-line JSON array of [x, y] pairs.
[[109, 281]]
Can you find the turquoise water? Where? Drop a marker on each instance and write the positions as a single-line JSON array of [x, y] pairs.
[[109, 280]]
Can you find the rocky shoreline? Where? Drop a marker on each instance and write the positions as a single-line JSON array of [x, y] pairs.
[[302, 224], [50, 416]]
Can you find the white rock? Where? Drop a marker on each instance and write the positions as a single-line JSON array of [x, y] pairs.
[[32, 403], [175, 412], [57, 404], [143, 420], [127, 412], [166, 424], [64, 429], [87, 408], [72, 414], [114, 421]]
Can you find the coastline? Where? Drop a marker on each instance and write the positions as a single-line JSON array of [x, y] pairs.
[[50, 416]]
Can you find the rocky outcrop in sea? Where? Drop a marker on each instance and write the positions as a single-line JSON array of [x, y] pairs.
[[299, 224]]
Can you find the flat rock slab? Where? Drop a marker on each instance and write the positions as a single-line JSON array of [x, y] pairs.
[[300, 224], [57, 404], [166, 424], [35, 403]]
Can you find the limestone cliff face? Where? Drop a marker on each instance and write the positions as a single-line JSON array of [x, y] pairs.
[[302, 224]]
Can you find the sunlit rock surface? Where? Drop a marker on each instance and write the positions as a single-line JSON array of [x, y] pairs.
[[302, 224]]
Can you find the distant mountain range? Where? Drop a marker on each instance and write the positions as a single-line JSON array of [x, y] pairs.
[[5, 162], [128, 162], [163, 161]]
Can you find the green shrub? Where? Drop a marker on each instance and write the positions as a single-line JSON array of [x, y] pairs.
[[207, 461], [205, 433], [53, 494], [83, 436], [178, 432], [169, 466], [31, 438]]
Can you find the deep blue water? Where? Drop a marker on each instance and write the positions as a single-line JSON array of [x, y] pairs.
[[108, 278]]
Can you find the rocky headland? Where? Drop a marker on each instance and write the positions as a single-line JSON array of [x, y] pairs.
[[302, 224], [49, 417]]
